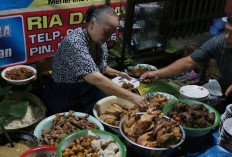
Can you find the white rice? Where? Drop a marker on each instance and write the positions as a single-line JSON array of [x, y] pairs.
[[32, 115]]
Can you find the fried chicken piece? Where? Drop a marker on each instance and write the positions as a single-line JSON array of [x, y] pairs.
[[132, 138], [130, 120], [176, 131], [143, 124], [144, 139], [129, 131], [158, 101], [115, 109], [125, 107], [128, 86], [166, 140], [152, 144], [160, 98], [153, 111], [108, 118]]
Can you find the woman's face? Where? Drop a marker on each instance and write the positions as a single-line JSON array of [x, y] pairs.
[[102, 31]]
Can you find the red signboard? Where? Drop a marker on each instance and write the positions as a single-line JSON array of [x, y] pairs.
[[37, 34]]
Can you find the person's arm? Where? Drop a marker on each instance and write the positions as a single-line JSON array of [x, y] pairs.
[[229, 90], [112, 72], [174, 69], [105, 84]]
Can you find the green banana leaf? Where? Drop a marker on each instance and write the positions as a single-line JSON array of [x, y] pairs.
[[4, 120], [165, 86], [13, 108]]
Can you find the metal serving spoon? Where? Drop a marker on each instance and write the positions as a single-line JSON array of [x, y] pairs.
[[7, 136]]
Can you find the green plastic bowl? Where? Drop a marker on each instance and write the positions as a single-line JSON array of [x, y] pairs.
[[194, 132], [64, 143]]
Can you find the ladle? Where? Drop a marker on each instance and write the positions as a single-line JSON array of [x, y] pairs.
[[7, 136]]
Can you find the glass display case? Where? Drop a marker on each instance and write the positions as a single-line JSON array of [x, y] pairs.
[[145, 26], [152, 25]]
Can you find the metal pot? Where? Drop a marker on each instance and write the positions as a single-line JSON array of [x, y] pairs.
[[147, 151]]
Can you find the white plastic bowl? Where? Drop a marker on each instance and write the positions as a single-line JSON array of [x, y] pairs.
[[194, 92], [47, 123], [19, 82], [103, 104]]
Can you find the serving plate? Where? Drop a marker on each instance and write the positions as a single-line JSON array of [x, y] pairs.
[[169, 96], [119, 81], [137, 67]]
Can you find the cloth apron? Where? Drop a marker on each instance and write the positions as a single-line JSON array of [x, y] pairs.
[[62, 97]]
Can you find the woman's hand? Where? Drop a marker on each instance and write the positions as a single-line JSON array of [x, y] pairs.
[[112, 72], [139, 101], [124, 75], [105, 84]]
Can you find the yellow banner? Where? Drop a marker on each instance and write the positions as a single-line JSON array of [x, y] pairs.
[[39, 3]]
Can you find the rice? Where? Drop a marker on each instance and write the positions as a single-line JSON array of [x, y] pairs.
[[32, 115]]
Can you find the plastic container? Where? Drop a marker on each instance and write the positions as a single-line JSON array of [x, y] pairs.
[[64, 143], [45, 151], [194, 132]]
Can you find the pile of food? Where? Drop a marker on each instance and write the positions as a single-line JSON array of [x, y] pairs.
[[92, 146], [195, 116], [158, 101], [127, 86], [63, 125], [151, 129], [19, 74], [116, 112], [33, 115], [139, 71]]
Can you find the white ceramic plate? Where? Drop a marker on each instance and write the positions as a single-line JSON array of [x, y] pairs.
[[227, 125], [194, 91], [119, 81]]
